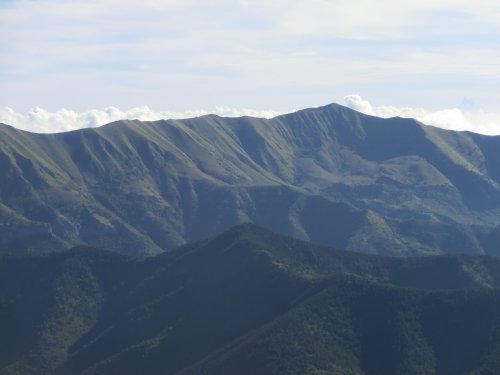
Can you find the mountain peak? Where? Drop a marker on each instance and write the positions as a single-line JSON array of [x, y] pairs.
[[147, 188]]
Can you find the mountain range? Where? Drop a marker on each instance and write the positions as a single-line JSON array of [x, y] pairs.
[[248, 301], [329, 175], [133, 248]]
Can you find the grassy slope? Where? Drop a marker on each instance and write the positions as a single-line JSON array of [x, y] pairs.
[[153, 186]]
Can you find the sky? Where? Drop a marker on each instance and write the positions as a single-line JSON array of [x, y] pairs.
[[73, 63]]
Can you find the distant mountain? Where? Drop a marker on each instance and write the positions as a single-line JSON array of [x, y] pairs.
[[248, 302], [329, 175]]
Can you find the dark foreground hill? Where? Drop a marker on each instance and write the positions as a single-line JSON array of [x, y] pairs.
[[329, 175], [249, 302]]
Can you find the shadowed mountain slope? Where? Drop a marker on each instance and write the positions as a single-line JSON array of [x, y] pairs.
[[248, 301], [357, 327], [329, 175]]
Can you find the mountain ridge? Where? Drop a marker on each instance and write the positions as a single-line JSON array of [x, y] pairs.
[[151, 186], [233, 302]]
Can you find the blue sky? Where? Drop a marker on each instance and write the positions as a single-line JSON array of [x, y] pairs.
[[274, 56]]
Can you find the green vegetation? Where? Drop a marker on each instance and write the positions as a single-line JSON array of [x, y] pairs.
[[329, 175], [248, 302]]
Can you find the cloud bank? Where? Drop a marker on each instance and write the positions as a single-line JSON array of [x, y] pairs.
[[477, 121], [40, 120]]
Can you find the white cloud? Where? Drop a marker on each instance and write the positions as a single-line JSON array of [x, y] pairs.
[[39, 120], [476, 121]]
